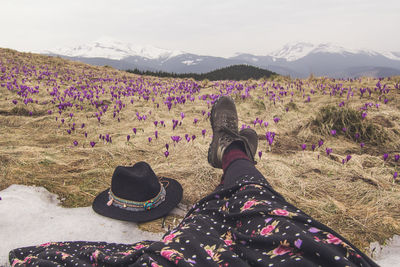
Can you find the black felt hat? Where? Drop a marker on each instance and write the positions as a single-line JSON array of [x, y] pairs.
[[138, 195]]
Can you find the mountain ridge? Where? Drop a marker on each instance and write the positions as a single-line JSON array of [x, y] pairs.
[[297, 59]]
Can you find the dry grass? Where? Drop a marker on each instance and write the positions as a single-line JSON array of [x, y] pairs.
[[359, 199]]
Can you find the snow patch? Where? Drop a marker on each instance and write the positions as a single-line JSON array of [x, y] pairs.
[[389, 254], [189, 62], [31, 216]]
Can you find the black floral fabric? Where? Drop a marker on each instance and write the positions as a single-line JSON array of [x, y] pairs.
[[244, 224]]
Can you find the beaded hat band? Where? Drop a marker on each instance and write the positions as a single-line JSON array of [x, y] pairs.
[[135, 205]]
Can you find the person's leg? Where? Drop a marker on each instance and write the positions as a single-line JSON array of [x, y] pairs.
[[266, 228]]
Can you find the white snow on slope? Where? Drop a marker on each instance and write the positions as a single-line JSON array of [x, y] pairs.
[[392, 55], [295, 51], [114, 49]]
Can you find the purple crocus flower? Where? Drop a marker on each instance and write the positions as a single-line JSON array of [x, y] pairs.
[[156, 134], [348, 157], [85, 134], [320, 142], [193, 137], [396, 157], [182, 115], [15, 102], [187, 137], [166, 146], [385, 156], [270, 137], [357, 135], [333, 132], [386, 101], [75, 143], [195, 120], [92, 143], [328, 151], [155, 123], [266, 124], [166, 154], [303, 146], [176, 138], [344, 129], [260, 154], [149, 139], [134, 130], [395, 175], [363, 115], [83, 125], [313, 146], [49, 112], [276, 119], [203, 132], [128, 137]]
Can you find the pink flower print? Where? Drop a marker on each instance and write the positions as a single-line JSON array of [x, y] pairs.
[[210, 252], [267, 229], [228, 242], [281, 250], [167, 254], [15, 262], [138, 246], [153, 264], [46, 244], [333, 239], [95, 255], [249, 204], [167, 239], [281, 212]]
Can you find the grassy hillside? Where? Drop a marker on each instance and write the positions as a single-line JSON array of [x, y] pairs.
[[66, 126], [235, 72]]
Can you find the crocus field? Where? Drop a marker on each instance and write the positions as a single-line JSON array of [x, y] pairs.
[[331, 147]]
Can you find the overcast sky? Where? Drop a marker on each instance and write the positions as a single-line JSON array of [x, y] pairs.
[[207, 27]]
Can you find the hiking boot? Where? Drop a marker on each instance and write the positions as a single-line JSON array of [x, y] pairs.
[[224, 123], [252, 139]]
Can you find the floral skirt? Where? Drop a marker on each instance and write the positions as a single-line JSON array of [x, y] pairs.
[[242, 223]]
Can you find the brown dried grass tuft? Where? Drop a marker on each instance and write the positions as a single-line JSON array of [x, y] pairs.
[[358, 199]]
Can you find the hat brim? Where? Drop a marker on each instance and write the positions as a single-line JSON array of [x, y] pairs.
[[173, 196]]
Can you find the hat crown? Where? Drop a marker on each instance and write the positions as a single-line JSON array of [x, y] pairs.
[[137, 183]]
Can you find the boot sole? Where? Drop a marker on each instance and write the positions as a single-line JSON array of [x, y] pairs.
[[209, 157]]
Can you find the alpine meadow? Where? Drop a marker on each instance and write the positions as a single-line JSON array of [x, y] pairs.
[[327, 145]]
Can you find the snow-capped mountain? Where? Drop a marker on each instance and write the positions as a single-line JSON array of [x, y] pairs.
[[295, 51], [296, 59], [114, 49]]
